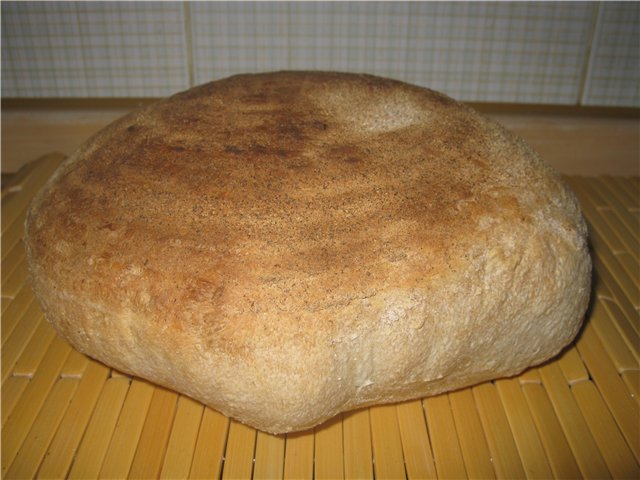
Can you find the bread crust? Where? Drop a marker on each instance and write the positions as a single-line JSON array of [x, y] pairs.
[[287, 246]]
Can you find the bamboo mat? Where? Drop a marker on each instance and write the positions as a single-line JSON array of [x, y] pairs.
[[66, 415]]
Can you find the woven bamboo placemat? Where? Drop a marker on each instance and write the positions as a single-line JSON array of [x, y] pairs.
[[64, 415]]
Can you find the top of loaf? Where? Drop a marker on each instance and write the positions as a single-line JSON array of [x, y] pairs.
[[266, 202]]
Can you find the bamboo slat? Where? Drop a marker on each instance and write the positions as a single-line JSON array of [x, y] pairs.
[[572, 367], [622, 190], [75, 365], [561, 459], [21, 418], [95, 441], [12, 237], [15, 182], [631, 265], [386, 443], [600, 219], [530, 376], [20, 337], [632, 381], [444, 439], [12, 222], [122, 448], [67, 438], [269, 456], [585, 193], [65, 415], [12, 260], [14, 205], [613, 222], [11, 391], [624, 212], [584, 448], [12, 284], [30, 455], [599, 289], [534, 459], [298, 455], [475, 451], [623, 325], [182, 441], [629, 314], [623, 357], [116, 374], [357, 445], [614, 449], [612, 199], [239, 453], [210, 446], [152, 443], [613, 243], [34, 351], [14, 310], [328, 461], [506, 460], [4, 303], [630, 189], [416, 446], [628, 287], [613, 389], [624, 289]]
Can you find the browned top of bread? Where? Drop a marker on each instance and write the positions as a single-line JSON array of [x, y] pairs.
[[259, 205], [284, 192]]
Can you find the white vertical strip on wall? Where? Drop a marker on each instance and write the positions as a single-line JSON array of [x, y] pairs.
[[613, 77]]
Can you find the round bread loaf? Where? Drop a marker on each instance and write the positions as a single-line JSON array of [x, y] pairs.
[[287, 246]]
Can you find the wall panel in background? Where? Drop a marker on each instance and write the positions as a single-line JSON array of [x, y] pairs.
[[93, 49], [564, 53], [614, 69]]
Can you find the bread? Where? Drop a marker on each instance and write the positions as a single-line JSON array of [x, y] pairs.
[[287, 246]]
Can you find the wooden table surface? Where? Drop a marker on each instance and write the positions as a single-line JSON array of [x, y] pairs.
[[65, 415]]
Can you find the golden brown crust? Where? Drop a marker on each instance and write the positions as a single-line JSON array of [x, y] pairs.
[[266, 232]]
